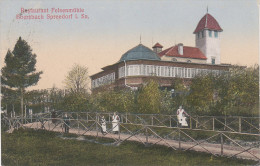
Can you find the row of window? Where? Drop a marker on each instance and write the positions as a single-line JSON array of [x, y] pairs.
[[201, 34], [163, 71], [107, 79]]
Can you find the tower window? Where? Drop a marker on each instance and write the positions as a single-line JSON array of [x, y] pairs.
[[202, 34], [213, 61], [216, 34], [198, 35], [210, 33]]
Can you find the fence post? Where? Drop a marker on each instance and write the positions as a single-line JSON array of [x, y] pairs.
[[239, 123], [221, 140], [190, 123], [213, 124], [119, 131], [125, 117], [170, 121], [152, 120], [97, 124], [197, 119], [179, 138], [78, 121], [146, 135]]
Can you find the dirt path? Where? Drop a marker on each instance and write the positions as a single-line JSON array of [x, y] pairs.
[[215, 149]]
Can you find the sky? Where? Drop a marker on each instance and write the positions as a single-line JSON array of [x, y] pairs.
[[114, 27]]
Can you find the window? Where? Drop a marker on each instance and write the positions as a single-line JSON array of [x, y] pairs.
[[202, 34], [216, 34], [189, 61], [210, 33], [198, 35], [213, 61], [174, 59]]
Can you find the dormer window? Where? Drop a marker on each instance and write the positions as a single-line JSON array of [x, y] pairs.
[[210, 33], [216, 34], [174, 59], [189, 61]]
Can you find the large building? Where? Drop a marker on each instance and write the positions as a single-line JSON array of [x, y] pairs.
[[141, 63]]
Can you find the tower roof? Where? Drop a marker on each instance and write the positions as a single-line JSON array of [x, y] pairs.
[[208, 22], [157, 45], [139, 52]]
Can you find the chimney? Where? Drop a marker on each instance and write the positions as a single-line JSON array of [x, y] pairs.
[[180, 48], [157, 48]]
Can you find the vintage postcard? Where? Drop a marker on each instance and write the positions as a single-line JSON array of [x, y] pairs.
[[117, 82]]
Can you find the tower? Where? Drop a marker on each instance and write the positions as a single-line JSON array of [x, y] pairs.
[[207, 38]]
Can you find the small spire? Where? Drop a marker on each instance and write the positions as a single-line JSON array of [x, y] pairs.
[[207, 9], [140, 39]]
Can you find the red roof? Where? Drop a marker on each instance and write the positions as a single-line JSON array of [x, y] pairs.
[[157, 45], [188, 52], [208, 22]]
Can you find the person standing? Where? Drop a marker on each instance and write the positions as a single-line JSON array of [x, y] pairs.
[[103, 125], [181, 117], [115, 123], [66, 123]]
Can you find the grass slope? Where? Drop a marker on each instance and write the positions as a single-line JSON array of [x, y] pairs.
[[29, 147]]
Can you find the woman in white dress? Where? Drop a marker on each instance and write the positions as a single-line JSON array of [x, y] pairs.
[[115, 123], [103, 125], [181, 117]]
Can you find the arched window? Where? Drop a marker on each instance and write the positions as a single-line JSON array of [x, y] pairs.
[[174, 59], [189, 61]]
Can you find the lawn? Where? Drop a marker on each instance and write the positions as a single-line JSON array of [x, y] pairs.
[[30, 147]]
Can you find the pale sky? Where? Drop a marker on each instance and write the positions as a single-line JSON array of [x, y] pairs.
[[114, 27]]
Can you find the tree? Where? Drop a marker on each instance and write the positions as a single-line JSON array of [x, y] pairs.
[[19, 71], [149, 98], [77, 79]]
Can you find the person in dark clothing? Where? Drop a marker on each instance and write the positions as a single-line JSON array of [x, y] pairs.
[[66, 120]]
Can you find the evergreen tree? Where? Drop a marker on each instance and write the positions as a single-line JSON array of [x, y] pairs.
[[19, 71]]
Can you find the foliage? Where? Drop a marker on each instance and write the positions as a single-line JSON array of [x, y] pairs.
[[114, 101], [149, 98], [77, 79], [19, 72]]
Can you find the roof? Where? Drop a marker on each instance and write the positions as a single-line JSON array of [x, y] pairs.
[[158, 45], [188, 52], [140, 52], [208, 22]]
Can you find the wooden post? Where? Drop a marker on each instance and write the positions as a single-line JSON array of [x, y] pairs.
[[213, 124], [152, 120], [170, 121], [225, 123], [179, 138], [221, 140], [146, 135], [126, 117], [197, 119], [109, 117], [87, 117], [97, 124], [239, 123], [118, 131], [78, 121], [190, 123]]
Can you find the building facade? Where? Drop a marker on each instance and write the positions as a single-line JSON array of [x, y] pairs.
[[141, 63]]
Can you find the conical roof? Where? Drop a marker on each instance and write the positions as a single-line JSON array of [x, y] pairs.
[[139, 52], [208, 22]]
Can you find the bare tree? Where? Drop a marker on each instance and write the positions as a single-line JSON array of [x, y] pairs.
[[77, 79]]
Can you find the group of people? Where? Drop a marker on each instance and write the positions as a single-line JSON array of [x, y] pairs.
[[181, 116], [115, 124]]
